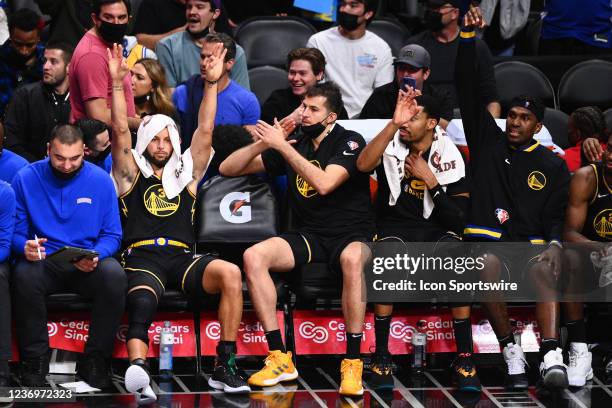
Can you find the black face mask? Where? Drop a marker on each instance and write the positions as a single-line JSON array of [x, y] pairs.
[[100, 157], [433, 20], [15, 59], [64, 176], [313, 131], [142, 99], [348, 21], [201, 34], [112, 33]]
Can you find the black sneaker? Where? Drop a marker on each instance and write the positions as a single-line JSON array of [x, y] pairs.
[[95, 370], [34, 371], [464, 373], [225, 378], [381, 367]]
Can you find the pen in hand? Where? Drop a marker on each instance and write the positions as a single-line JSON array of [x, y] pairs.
[[38, 247]]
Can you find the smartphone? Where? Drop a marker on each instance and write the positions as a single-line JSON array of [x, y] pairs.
[[408, 82]]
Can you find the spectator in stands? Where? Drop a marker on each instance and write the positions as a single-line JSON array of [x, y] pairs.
[[306, 68], [587, 132], [37, 108], [7, 225], [574, 28], [590, 203], [413, 62], [426, 206], [10, 163], [64, 201], [506, 18], [180, 52], [441, 40], [330, 198], [157, 19], [150, 89], [97, 143], [357, 59], [498, 161], [237, 106], [89, 79], [158, 227], [21, 56]]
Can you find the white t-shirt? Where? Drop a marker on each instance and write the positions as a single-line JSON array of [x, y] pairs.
[[356, 66]]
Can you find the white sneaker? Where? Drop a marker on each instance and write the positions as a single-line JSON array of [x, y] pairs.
[[516, 362], [579, 370], [137, 381], [553, 371]]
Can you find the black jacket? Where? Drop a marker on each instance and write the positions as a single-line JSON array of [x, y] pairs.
[[30, 116], [516, 194]]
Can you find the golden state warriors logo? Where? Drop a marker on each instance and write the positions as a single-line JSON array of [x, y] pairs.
[[536, 180], [158, 204], [602, 224], [302, 185]]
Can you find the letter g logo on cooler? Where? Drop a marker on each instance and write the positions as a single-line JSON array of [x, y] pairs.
[[402, 331], [52, 329], [234, 208], [213, 330], [309, 330]]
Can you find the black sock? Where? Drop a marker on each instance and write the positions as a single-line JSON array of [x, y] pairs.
[[353, 344], [382, 325], [504, 341], [548, 345], [225, 349], [576, 331], [463, 335], [275, 341]]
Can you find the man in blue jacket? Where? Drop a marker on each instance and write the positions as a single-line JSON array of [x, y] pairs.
[[7, 224], [66, 201]]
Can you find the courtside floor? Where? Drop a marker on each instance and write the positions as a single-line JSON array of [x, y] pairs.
[[318, 383]]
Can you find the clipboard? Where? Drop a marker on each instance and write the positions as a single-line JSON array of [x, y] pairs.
[[70, 254]]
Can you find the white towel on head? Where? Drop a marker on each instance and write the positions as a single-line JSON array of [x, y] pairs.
[[445, 161], [178, 172]]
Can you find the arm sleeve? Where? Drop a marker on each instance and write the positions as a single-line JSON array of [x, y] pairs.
[[554, 213], [93, 77], [22, 226], [15, 119], [488, 84], [164, 56], [7, 220], [451, 210], [109, 239], [478, 124], [251, 110], [240, 72], [274, 162], [347, 151]]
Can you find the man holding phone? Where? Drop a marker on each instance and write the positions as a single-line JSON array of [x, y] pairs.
[[412, 68], [64, 201]]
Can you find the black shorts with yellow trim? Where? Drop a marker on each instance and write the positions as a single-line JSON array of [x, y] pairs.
[[309, 247], [161, 267], [516, 261]]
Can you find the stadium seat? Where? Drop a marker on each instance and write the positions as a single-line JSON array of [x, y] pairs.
[[556, 123], [391, 31], [585, 84], [266, 79], [268, 40], [608, 116], [516, 78]]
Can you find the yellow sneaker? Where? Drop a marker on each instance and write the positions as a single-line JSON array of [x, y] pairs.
[[350, 373], [278, 367]]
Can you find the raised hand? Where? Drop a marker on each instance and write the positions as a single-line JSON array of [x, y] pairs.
[[406, 107], [473, 18], [214, 63], [272, 136], [117, 65]]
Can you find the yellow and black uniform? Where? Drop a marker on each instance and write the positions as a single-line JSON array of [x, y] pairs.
[[405, 219], [598, 222], [326, 224], [517, 194], [157, 238]]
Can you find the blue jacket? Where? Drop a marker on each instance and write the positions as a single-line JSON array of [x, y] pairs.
[[10, 164], [7, 219], [81, 212]]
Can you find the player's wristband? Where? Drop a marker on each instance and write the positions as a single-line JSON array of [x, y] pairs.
[[556, 243]]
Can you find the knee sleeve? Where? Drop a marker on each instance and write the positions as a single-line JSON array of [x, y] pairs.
[[142, 305]]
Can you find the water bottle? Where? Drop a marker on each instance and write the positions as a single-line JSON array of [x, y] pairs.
[[419, 346], [165, 351]]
